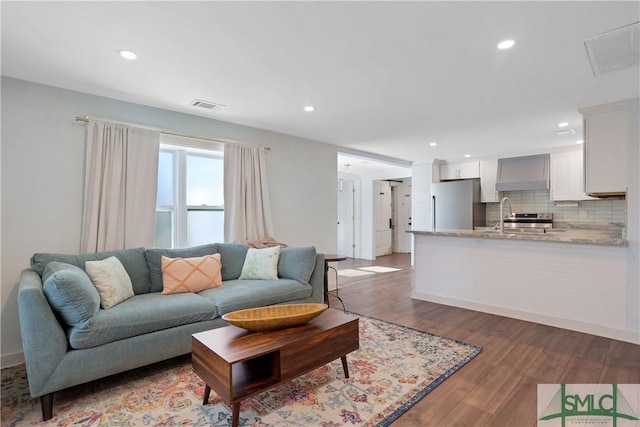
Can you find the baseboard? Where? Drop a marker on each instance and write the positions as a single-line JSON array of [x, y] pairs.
[[558, 322], [13, 359]]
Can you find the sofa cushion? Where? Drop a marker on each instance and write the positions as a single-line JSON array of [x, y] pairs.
[[191, 274], [111, 280], [241, 294], [261, 264], [232, 256], [133, 260], [154, 259], [140, 315], [70, 292], [297, 263]]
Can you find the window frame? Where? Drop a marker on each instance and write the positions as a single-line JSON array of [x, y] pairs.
[[180, 210]]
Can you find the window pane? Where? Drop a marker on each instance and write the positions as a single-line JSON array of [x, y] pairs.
[[163, 230], [205, 227], [204, 181], [165, 179]]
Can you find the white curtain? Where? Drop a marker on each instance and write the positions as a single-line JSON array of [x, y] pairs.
[[247, 211], [121, 179]]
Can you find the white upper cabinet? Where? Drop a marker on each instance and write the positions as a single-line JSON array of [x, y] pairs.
[[449, 171], [567, 176], [606, 138], [459, 170], [488, 173]]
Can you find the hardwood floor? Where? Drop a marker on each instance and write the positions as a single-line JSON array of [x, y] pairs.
[[499, 387]]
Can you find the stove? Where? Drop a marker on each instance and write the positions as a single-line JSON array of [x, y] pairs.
[[528, 220]]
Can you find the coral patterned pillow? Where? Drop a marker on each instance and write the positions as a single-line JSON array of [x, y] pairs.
[[191, 274]]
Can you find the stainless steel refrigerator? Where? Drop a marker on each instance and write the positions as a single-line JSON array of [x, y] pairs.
[[455, 205]]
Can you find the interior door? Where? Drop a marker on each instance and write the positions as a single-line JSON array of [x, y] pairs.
[[383, 217], [346, 218], [401, 217]]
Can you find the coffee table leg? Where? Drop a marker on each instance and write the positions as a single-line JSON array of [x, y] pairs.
[[235, 414], [345, 366], [207, 391]]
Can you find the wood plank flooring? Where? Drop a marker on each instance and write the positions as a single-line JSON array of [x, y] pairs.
[[499, 387]]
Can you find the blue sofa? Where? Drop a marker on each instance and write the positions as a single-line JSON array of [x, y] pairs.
[[150, 326]]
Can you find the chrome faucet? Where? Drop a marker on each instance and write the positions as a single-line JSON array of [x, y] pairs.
[[504, 199]]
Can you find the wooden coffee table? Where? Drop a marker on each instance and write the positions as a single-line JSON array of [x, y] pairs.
[[236, 363]]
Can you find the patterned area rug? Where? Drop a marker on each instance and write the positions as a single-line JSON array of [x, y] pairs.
[[394, 368]]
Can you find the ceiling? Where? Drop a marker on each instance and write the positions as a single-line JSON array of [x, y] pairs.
[[384, 77]]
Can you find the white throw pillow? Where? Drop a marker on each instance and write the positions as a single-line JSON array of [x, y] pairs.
[[111, 280], [261, 264]]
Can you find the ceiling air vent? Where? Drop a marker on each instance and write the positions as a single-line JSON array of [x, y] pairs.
[[614, 50], [207, 105]]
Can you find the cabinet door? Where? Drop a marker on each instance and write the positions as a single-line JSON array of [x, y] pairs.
[[459, 170], [449, 171], [488, 173], [563, 177], [567, 176], [607, 135], [469, 170]]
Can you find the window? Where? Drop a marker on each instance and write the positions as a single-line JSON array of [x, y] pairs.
[[190, 201]]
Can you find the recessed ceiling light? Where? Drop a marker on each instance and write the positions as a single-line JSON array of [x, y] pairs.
[[506, 44], [433, 144], [563, 124], [580, 142], [467, 155], [127, 54], [309, 108]]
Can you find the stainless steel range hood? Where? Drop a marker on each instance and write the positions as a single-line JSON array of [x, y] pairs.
[[523, 173]]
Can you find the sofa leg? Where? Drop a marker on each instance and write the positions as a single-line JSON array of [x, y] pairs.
[[46, 402]]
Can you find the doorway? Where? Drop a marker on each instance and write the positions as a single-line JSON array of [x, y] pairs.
[[369, 233]]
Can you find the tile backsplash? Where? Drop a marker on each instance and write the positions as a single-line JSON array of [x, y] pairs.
[[598, 213]]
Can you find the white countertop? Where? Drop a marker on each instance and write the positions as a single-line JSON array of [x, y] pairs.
[[572, 236]]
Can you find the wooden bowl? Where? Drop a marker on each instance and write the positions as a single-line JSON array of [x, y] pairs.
[[274, 317]]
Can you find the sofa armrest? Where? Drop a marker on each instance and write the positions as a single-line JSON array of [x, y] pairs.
[[317, 280], [44, 341]]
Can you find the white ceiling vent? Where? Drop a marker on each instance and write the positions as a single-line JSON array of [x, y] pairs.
[[207, 105], [614, 50]]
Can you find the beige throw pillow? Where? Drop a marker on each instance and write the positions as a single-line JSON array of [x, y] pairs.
[[261, 264], [111, 280]]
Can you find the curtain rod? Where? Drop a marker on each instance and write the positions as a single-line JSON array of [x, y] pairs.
[[87, 119]]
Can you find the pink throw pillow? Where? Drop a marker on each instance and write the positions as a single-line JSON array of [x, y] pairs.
[[191, 274]]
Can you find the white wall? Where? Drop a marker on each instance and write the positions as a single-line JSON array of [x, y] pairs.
[[633, 220], [42, 179]]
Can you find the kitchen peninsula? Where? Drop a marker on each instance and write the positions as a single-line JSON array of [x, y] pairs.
[[573, 279]]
